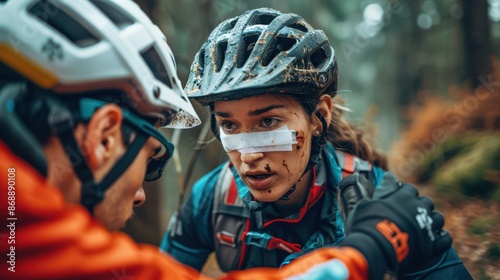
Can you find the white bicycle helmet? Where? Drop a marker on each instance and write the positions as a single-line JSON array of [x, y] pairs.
[[86, 50], [62, 46]]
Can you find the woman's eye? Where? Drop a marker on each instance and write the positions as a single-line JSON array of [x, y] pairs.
[[270, 122], [227, 126]]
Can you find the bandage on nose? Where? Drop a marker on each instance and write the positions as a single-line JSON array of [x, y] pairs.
[[277, 140]]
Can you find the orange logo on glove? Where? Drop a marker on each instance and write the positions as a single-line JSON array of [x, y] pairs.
[[396, 237]]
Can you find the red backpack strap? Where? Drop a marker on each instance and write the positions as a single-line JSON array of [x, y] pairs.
[[350, 164], [230, 219], [231, 193]]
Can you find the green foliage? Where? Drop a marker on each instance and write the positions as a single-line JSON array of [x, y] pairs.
[[468, 172], [441, 153], [494, 251], [482, 275], [482, 225], [496, 195]]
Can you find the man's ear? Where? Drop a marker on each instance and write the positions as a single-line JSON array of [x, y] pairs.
[[324, 107], [102, 137]]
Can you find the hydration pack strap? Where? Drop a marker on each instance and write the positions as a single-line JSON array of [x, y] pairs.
[[269, 242], [352, 165]]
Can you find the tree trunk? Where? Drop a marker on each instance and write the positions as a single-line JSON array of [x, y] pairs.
[[477, 40]]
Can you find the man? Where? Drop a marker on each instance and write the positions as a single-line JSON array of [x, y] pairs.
[[84, 85]]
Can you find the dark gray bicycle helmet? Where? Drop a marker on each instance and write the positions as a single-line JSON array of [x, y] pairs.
[[262, 51], [265, 51]]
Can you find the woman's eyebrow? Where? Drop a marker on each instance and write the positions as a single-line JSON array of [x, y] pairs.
[[222, 114], [251, 113], [265, 109]]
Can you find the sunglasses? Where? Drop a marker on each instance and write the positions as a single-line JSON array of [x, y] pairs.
[[158, 162]]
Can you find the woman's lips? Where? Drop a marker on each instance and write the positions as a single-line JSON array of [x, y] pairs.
[[260, 181]]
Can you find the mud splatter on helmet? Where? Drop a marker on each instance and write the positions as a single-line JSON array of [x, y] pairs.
[[263, 51]]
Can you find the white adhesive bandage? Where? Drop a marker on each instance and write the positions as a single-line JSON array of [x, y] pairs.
[[277, 140]]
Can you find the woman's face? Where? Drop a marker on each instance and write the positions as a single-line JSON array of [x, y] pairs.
[[268, 175]]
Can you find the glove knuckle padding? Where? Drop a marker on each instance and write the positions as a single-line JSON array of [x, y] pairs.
[[427, 201], [409, 190], [437, 220], [404, 225]]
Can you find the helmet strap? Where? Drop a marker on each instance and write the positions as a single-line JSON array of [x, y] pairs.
[[62, 122], [290, 191]]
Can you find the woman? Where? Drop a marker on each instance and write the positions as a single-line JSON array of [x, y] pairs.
[[269, 80]]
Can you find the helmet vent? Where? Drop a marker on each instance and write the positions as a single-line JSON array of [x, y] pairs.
[[63, 23], [262, 19], [245, 48], [281, 44], [299, 26], [156, 66], [120, 19], [173, 60], [318, 57], [201, 62], [220, 54], [228, 26]]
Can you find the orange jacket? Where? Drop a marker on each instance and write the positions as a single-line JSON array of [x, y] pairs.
[[42, 237]]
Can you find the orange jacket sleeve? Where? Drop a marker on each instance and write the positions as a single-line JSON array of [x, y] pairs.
[[45, 238]]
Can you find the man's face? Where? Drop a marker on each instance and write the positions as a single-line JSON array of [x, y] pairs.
[[127, 191], [102, 142]]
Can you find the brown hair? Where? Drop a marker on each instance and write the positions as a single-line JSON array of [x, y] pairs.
[[347, 137]]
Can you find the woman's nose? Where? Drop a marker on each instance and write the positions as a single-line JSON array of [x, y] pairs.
[[249, 158]]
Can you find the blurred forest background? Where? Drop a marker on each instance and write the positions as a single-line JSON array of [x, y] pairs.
[[421, 76]]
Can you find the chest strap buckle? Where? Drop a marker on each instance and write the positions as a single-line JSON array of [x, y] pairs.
[[269, 242]]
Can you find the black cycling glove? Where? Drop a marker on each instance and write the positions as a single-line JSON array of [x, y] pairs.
[[396, 230]]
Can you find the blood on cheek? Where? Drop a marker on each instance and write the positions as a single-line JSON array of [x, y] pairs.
[[300, 139]]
